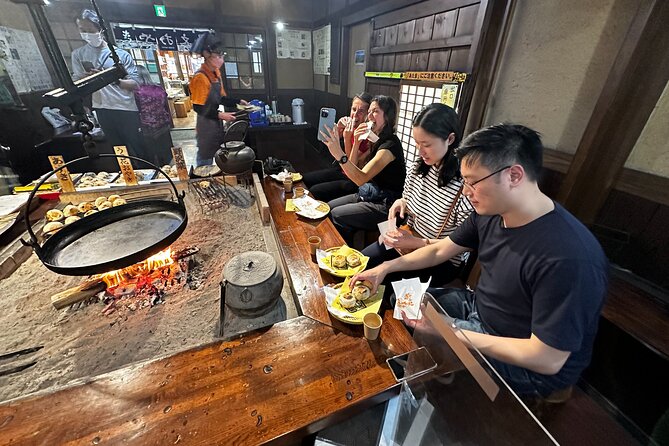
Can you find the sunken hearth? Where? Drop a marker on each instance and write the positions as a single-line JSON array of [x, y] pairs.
[[132, 318]]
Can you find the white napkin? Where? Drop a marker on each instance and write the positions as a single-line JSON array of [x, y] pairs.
[[408, 295], [330, 295], [370, 135], [385, 227]]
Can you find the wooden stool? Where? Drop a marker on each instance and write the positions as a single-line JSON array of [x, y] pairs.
[[188, 102], [180, 109]]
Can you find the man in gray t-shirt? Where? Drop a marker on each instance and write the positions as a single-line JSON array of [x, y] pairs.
[[114, 104]]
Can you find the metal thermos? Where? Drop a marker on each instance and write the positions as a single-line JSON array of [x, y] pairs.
[[275, 108], [298, 111]]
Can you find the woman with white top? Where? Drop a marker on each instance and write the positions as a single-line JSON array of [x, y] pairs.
[[431, 202]]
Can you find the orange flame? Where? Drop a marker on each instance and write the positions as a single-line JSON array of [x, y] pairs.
[[156, 261]]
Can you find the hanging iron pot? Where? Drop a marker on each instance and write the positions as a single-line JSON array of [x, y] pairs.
[[113, 238]]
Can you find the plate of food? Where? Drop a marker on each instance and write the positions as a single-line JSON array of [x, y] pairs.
[[140, 174], [315, 209], [283, 175], [8, 221], [91, 180], [342, 261], [351, 305]]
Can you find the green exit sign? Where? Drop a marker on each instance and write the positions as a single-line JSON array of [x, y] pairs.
[[161, 11]]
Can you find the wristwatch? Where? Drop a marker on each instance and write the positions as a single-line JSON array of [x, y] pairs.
[[343, 159]]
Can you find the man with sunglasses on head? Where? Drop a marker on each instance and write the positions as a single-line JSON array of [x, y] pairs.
[[535, 310], [332, 182]]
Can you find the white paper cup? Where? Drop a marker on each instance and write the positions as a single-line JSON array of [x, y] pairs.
[[372, 323]]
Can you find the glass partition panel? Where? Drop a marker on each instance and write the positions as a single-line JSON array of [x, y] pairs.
[[451, 395]]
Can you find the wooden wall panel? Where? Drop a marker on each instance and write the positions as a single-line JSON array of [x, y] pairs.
[[406, 31], [423, 31], [391, 36], [402, 62], [459, 59], [375, 63], [439, 60], [444, 24], [466, 24], [401, 39], [419, 61], [379, 37], [631, 229]]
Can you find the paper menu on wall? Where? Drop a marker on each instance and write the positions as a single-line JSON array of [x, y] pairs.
[[293, 44], [322, 50], [23, 61]]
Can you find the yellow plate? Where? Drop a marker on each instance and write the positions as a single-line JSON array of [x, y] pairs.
[[319, 211], [344, 272], [354, 315]]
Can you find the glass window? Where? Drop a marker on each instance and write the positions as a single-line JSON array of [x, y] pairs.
[[243, 55], [259, 82], [257, 62], [244, 69], [231, 70], [241, 40]]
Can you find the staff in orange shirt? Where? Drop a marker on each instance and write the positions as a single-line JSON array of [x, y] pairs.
[[207, 93]]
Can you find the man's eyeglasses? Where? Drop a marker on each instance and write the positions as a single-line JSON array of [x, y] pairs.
[[474, 183]]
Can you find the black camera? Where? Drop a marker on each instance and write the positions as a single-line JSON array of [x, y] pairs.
[[324, 113]]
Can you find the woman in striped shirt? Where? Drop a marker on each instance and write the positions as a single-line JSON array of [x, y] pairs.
[[431, 202]]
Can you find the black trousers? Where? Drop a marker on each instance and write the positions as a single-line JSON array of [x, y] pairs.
[[122, 128], [328, 184], [350, 215]]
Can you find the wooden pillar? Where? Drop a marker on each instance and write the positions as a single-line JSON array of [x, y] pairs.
[[631, 91], [484, 57]]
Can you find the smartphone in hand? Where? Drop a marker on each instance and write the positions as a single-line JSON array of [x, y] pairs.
[[327, 118]]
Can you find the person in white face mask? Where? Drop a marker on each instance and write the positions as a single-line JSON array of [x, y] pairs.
[[114, 104]]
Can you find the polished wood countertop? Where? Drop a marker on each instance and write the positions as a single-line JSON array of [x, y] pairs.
[[274, 385]]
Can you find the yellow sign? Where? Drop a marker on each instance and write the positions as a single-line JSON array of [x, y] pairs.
[[126, 166], [449, 94], [179, 161], [445, 76], [383, 74], [63, 175]]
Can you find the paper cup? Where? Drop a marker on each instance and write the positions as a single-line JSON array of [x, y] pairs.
[[299, 191], [372, 323], [314, 244]]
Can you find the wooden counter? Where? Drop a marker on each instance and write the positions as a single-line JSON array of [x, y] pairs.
[[274, 385]]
